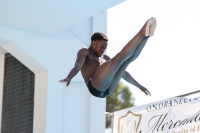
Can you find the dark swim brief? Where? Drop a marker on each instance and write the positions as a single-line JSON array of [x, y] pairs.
[[97, 93]]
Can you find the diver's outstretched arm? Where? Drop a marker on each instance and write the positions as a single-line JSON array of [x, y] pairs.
[[126, 76]]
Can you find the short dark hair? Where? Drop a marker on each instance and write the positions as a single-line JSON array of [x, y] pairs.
[[99, 36]]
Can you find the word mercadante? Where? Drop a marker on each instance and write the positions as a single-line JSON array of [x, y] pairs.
[[160, 125]]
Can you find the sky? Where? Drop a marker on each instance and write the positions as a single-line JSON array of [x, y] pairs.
[[169, 63]]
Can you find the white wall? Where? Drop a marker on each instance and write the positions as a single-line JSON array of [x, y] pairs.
[[59, 109]]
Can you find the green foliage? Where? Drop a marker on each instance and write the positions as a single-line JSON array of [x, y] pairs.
[[121, 98]]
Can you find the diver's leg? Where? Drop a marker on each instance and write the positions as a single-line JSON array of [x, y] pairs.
[[123, 67]]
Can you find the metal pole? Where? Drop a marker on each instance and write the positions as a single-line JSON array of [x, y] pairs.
[[112, 117]]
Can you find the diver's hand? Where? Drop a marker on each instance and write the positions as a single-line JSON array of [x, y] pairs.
[[143, 89], [67, 80]]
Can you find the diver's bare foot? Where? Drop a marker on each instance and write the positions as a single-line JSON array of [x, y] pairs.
[[147, 25], [145, 29], [152, 26]]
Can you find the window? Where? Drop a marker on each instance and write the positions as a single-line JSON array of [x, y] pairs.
[[18, 97]]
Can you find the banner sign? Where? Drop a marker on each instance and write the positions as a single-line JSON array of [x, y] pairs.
[[173, 115]]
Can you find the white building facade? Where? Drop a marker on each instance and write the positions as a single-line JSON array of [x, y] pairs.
[[45, 37]]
